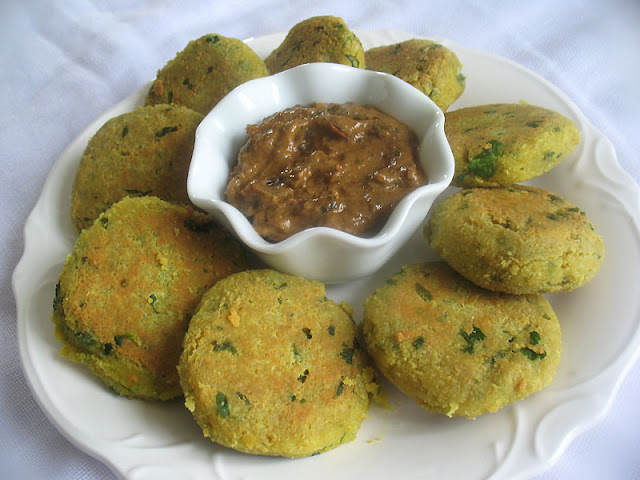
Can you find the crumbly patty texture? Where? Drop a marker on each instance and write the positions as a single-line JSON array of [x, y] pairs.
[[455, 348], [317, 39], [517, 239], [501, 144], [204, 72], [271, 366], [429, 66], [127, 291], [144, 152]]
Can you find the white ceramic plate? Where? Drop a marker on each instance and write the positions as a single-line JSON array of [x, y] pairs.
[[600, 321]]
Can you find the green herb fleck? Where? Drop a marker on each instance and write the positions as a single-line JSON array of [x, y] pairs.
[[532, 355], [307, 332], [125, 130], [104, 221], [484, 164], [132, 191], [225, 346], [222, 405], [533, 124], [303, 378], [213, 38], [476, 335], [354, 61], [188, 84], [555, 198], [331, 330], [340, 389], [419, 342], [166, 130], [152, 301], [424, 293], [108, 348], [534, 338], [347, 353], [546, 316], [500, 354], [243, 397]]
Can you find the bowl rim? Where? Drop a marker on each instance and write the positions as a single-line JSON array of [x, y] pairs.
[[241, 225]]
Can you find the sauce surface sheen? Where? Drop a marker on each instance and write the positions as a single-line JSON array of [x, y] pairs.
[[344, 166]]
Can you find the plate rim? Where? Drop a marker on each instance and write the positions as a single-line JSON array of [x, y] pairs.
[[628, 194]]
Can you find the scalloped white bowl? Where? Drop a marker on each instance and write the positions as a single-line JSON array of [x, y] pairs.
[[319, 253]]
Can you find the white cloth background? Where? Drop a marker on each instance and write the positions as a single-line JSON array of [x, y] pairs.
[[62, 63]]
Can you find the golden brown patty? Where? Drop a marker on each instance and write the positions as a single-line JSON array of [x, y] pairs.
[[271, 366], [516, 239], [128, 289], [430, 67], [458, 349], [501, 144], [317, 39], [144, 152], [204, 72]]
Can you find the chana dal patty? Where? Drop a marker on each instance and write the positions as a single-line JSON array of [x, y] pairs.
[[455, 348], [144, 152], [317, 39], [516, 239], [271, 366], [502, 144], [427, 65], [128, 289], [203, 72]]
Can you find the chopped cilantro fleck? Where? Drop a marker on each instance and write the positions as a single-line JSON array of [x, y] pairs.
[[222, 405], [152, 301], [340, 389], [225, 346], [419, 342], [125, 130], [331, 330], [476, 335], [141, 193], [533, 124], [243, 397], [423, 292], [532, 355], [166, 130], [534, 338], [484, 164], [213, 38], [354, 61], [347, 353]]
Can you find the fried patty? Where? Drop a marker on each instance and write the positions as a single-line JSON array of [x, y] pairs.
[[271, 366], [128, 289], [455, 348], [317, 39], [502, 144], [516, 239], [144, 152], [427, 65], [204, 72]]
